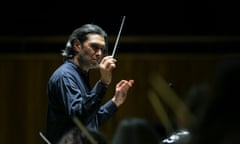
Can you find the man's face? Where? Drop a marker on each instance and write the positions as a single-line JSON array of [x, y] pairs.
[[91, 51]]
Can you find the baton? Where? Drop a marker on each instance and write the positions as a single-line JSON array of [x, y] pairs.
[[115, 46]]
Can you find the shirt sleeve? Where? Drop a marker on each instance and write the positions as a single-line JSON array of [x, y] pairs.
[[105, 112], [77, 101]]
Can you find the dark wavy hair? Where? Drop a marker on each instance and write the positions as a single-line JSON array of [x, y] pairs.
[[81, 35]]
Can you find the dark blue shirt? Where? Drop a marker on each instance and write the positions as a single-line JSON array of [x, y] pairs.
[[69, 94]]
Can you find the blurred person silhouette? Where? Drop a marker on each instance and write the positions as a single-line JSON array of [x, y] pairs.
[[220, 122], [135, 131], [195, 100], [76, 136], [69, 91]]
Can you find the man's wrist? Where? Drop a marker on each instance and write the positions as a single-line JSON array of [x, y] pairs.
[[116, 102]]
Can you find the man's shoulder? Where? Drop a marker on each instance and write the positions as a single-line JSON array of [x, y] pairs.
[[61, 70]]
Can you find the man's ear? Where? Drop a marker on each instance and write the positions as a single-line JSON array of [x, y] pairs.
[[77, 45]]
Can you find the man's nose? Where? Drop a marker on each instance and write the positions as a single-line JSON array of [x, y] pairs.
[[99, 52]]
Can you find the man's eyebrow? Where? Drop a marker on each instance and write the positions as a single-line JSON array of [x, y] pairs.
[[97, 46]]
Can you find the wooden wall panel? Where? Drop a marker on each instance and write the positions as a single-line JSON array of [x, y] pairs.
[[23, 103]]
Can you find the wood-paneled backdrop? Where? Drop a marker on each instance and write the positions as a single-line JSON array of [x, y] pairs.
[[23, 80]]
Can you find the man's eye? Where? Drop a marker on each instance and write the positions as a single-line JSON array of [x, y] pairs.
[[96, 47]]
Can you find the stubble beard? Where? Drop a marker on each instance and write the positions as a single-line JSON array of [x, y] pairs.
[[86, 63]]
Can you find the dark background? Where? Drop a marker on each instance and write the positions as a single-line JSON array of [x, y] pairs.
[[209, 26], [181, 41]]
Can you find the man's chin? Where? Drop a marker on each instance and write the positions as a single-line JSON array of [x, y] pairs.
[[95, 66]]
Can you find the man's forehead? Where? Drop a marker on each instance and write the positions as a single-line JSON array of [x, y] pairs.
[[96, 38]]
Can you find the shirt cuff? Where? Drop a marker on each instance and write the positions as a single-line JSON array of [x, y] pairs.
[[111, 106]]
